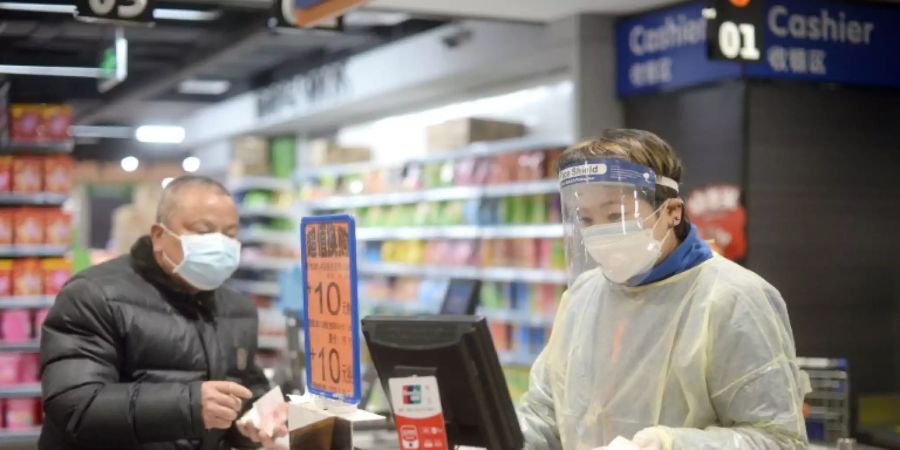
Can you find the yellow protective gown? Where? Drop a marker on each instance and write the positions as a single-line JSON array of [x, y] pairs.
[[704, 358]]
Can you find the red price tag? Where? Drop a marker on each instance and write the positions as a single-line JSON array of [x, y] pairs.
[[330, 307]]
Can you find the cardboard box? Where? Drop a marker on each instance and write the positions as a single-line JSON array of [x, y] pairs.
[[250, 156], [58, 172], [27, 174], [313, 428], [325, 152], [28, 277], [459, 133], [28, 226]]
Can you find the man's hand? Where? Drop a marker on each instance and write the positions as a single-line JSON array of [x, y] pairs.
[[220, 403], [247, 428]]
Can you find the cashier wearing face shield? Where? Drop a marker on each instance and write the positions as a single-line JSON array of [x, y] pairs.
[[657, 340]]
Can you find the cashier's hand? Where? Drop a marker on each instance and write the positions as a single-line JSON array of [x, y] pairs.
[[256, 435], [220, 403]]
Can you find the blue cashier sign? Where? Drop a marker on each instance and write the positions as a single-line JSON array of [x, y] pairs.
[[812, 40]]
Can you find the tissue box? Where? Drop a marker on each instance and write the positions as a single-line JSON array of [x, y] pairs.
[[312, 428]]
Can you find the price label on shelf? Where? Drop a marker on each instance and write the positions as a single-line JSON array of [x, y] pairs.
[[330, 307]]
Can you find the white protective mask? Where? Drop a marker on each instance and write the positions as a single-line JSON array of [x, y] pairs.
[[209, 259], [623, 251]]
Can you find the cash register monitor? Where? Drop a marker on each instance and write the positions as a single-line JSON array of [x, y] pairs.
[[459, 352]]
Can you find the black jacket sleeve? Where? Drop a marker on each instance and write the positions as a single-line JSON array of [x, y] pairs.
[[82, 393], [253, 379]]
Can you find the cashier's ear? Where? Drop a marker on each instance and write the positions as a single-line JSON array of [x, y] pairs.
[[674, 212]]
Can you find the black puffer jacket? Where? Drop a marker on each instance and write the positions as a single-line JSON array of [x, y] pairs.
[[124, 351]]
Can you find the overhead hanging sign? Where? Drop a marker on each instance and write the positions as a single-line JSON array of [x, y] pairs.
[[814, 40], [114, 63], [122, 11], [330, 307]]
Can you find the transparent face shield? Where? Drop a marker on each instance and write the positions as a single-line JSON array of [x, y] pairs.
[[609, 215]]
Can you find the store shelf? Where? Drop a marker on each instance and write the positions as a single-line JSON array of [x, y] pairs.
[[43, 198], [289, 238], [502, 274], [17, 302], [27, 436], [21, 391], [461, 232], [518, 317], [267, 211], [435, 195], [261, 183], [393, 306], [268, 263], [40, 148], [20, 347], [268, 288], [10, 251], [476, 150]]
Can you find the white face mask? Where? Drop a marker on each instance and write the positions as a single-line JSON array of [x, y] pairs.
[[209, 259], [623, 257]]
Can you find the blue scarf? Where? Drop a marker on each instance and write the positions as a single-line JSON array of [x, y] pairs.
[[689, 254]]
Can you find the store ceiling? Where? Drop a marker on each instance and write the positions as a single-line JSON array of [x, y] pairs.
[[526, 10]]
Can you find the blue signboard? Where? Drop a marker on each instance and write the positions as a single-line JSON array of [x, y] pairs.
[[804, 39]]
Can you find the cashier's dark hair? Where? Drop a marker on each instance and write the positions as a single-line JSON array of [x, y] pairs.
[[170, 194], [639, 146]]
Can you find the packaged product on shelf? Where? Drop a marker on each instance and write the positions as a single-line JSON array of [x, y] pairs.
[[25, 122], [516, 381], [406, 289], [57, 227], [28, 226], [412, 179], [537, 209], [250, 157], [7, 221], [531, 166], [6, 165], [9, 368], [490, 297], [22, 413], [27, 277], [325, 152], [504, 170], [458, 133], [483, 169], [464, 172], [551, 163], [56, 272], [454, 213], [55, 122], [500, 332], [6, 278], [16, 325], [558, 252], [29, 368], [40, 315], [27, 174], [554, 211], [525, 252]]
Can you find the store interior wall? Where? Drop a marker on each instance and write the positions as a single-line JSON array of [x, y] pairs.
[[823, 218]]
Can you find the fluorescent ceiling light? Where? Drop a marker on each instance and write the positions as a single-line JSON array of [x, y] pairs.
[[160, 134], [204, 87], [191, 15], [130, 163], [101, 131], [191, 164]]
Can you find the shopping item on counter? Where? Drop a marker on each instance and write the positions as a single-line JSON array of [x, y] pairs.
[[28, 277], [16, 325], [57, 227], [28, 226], [6, 170], [6, 278], [27, 174], [57, 171]]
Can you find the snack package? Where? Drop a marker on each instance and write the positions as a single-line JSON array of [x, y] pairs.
[[27, 174], [28, 277], [20, 413], [28, 226], [29, 368], [56, 272], [7, 220], [9, 368], [25, 120], [6, 278], [40, 316], [6, 164], [16, 325], [55, 123], [57, 174], [57, 227]]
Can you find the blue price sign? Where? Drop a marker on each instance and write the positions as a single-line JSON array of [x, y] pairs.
[[330, 307]]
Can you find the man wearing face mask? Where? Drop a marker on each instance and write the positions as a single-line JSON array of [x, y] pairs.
[[657, 340], [149, 351]]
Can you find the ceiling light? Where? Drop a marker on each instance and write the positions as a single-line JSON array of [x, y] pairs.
[[38, 7], [190, 15], [160, 134], [166, 181], [190, 164], [204, 87], [130, 163]]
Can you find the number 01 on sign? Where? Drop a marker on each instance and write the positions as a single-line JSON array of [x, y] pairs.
[[330, 309]]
